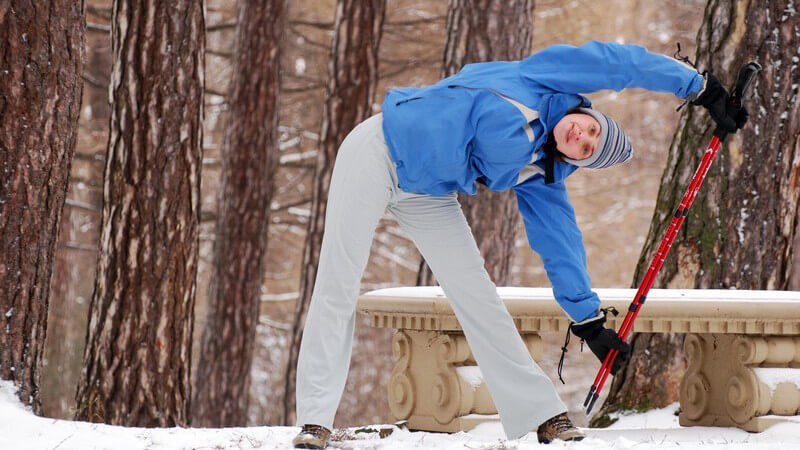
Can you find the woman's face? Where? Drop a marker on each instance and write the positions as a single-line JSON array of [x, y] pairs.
[[577, 135]]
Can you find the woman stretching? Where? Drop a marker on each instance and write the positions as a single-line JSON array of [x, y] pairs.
[[520, 125]]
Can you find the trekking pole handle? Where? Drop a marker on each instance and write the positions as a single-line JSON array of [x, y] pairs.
[[747, 73]]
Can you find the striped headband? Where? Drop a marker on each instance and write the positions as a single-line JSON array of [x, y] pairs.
[[613, 147]]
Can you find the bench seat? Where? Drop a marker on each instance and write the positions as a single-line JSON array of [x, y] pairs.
[[735, 338]]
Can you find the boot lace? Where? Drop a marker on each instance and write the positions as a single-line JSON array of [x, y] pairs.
[[561, 423], [316, 430]]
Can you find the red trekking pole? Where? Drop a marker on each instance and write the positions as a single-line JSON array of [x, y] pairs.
[[746, 76]]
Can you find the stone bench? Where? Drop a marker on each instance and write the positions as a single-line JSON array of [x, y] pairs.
[[742, 348]]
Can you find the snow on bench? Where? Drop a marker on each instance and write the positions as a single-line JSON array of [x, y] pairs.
[[742, 348]]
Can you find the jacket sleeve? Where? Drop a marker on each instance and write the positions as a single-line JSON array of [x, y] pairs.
[[607, 65], [553, 233]]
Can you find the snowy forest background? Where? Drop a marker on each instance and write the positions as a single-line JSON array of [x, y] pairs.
[[614, 207]]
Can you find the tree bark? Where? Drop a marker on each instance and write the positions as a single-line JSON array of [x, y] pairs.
[[137, 361], [76, 251], [41, 61], [248, 163], [487, 30], [352, 81], [740, 231]]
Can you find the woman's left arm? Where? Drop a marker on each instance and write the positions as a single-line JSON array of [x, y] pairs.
[[607, 65]]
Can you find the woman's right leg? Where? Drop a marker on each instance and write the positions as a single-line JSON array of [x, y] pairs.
[[523, 394], [361, 186]]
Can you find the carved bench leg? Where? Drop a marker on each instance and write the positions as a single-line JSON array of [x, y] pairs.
[[729, 380], [435, 383]]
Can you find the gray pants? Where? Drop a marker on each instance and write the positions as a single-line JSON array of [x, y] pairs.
[[363, 186]]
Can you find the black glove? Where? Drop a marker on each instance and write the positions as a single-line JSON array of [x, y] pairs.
[[601, 340], [740, 115], [716, 100]]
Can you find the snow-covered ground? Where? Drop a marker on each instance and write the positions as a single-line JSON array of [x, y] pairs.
[[20, 429]]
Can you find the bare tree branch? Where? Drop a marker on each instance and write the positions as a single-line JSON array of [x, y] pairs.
[[286, 206], [91, 154], [219, 53], [298, 165], [405, 68], [414, 22], [98, 27], [210, 91], [310, 41], [86, 182], [83, 205], [220, 27], [105, 13], [94, 82], [292, 222], [310, 87], [296, 180], [311, 23], [78, 246]]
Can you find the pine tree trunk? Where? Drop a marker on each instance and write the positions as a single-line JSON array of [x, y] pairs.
[[76, 251], [41, 62], [352, 81], [487, 30], [248, 163], [740, 231], [137, 360]]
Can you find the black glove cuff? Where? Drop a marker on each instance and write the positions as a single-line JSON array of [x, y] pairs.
[[589, 328], [712, 92]]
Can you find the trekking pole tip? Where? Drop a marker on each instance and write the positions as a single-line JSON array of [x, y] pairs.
[[591, 404], [589, 396]]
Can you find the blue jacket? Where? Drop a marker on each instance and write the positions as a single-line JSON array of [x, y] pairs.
[[489, 123]]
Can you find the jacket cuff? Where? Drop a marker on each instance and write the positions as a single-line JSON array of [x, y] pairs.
[[597, 316], [693, 96]]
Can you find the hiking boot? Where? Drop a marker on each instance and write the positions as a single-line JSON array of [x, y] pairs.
[[312, 436], [559, 427]]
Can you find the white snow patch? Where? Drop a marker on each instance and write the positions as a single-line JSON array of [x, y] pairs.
[[608, 294], [772, 377], [743, 215], [655, 430], [310, 135], [290, 143], [302, 212], [299, 66], [8, 398], [295, 157], [657, 418], [472, 375], [282, 297]]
